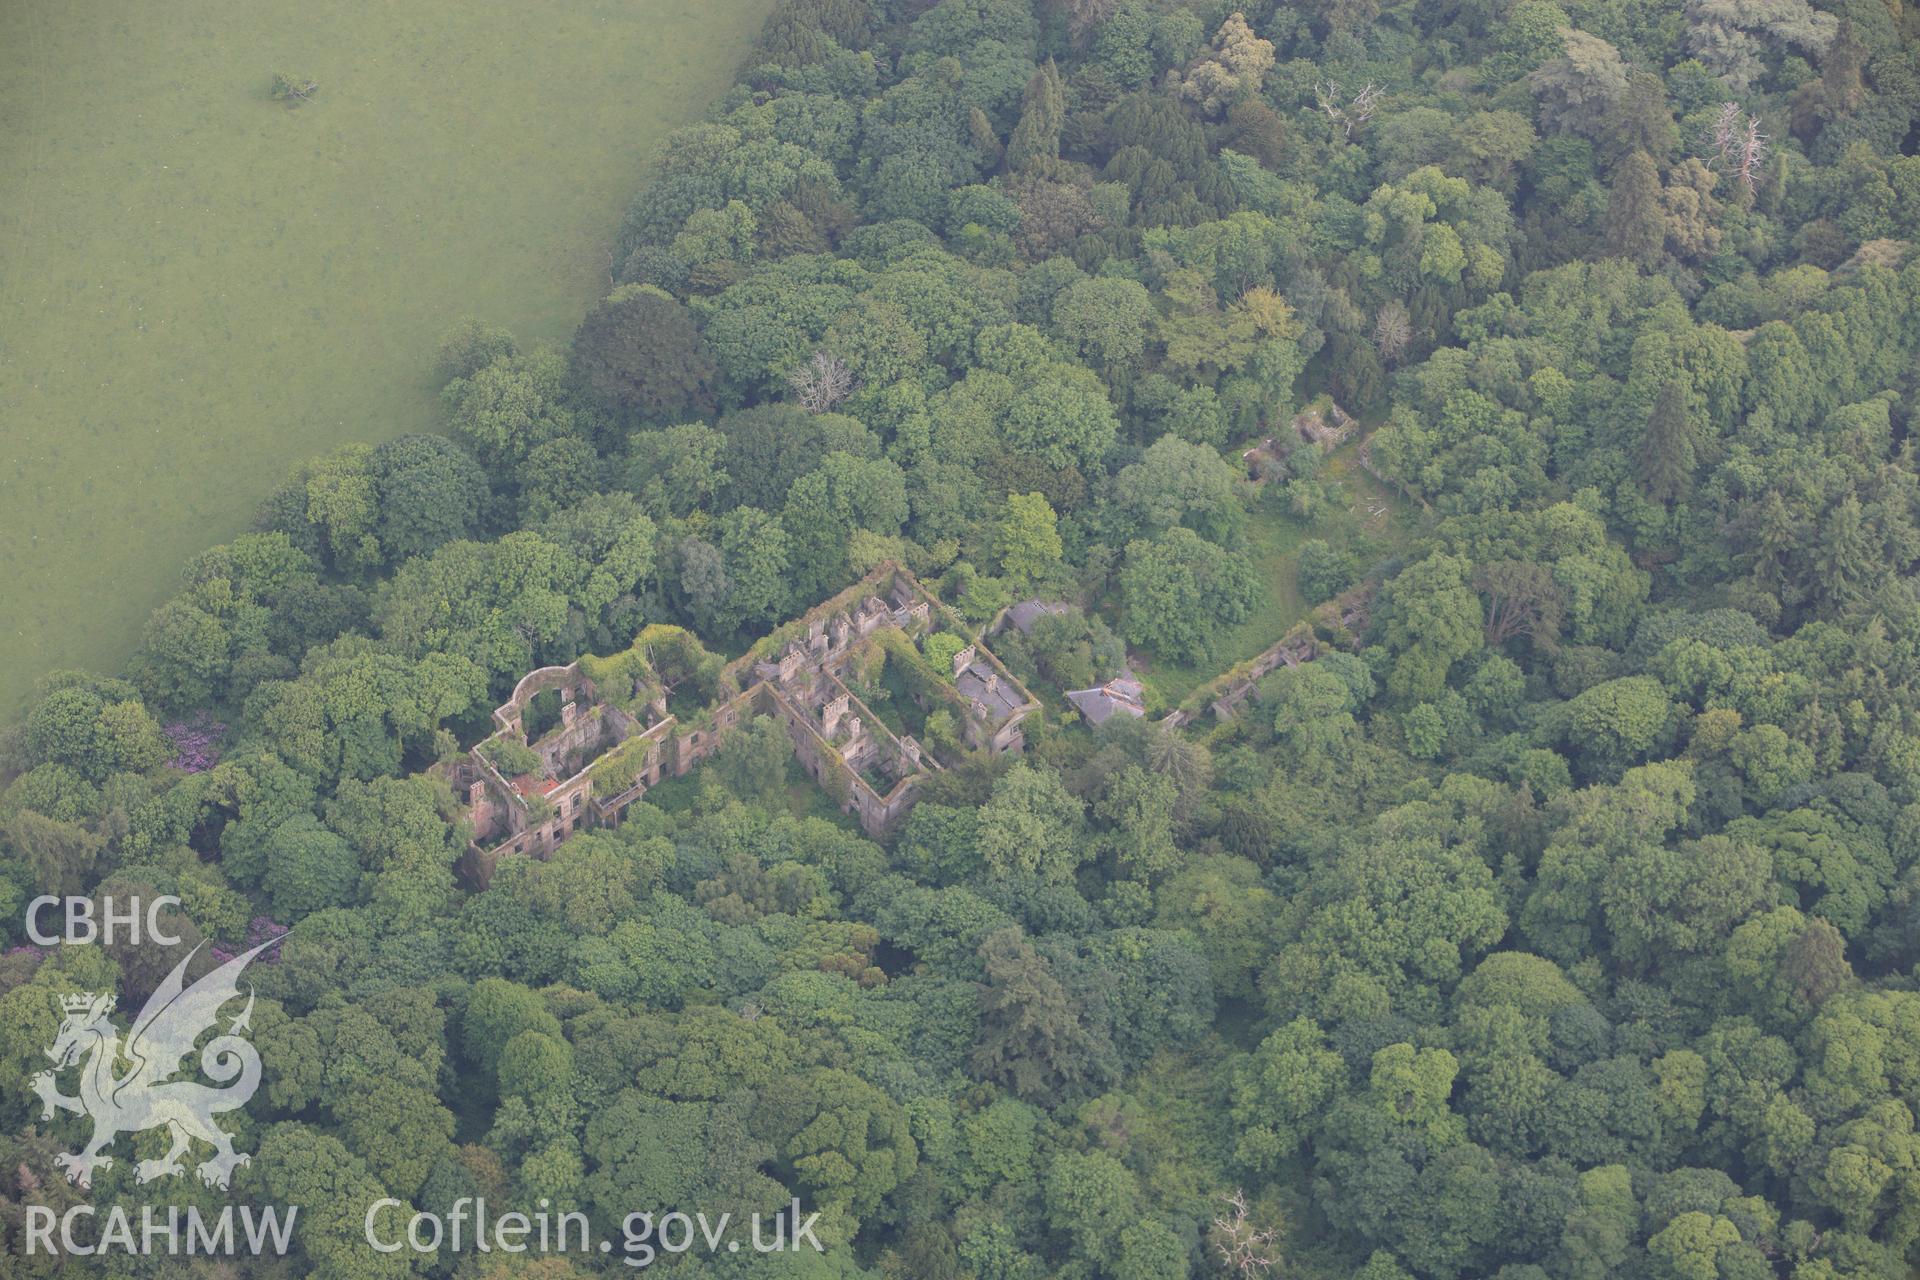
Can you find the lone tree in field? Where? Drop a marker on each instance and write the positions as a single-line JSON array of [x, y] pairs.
[[293, 90]]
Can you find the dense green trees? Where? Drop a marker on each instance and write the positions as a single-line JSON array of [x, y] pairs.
[[1557, 916], [1178, 589]]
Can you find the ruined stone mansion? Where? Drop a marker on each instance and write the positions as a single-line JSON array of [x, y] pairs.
[[616, 738]]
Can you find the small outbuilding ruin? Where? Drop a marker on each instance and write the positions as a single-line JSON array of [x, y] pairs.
[[1324, 423]]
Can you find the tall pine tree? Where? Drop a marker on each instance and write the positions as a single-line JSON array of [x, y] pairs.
[[1636, 225], [1043, 114], [1668, 451]]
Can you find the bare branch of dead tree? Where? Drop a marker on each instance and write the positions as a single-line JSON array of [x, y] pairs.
[[1246, 1249], [823, 382]]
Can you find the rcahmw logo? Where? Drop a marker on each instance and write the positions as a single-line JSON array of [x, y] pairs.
[[169, 1232], [145, 1095]]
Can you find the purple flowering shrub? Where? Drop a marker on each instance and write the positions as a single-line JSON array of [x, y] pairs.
[[196, 742]]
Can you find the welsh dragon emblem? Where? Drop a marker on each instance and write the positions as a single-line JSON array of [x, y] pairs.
[[145, 1095]]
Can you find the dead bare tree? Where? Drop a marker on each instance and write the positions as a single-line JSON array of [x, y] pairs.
[[1753, 150], [1365, 103], [1720, 136], [1328, 97], [1392, 331], [822, 382], [1246, 1249], [1355, 112], [1741, 149]]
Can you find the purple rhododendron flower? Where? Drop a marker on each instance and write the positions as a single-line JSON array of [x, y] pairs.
[[195, 742]]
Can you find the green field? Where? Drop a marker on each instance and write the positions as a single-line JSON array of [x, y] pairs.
[[199, 286]]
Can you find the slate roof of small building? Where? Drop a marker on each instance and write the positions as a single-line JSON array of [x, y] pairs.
[[1022, 616], [1121, 695], [996, 699]]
